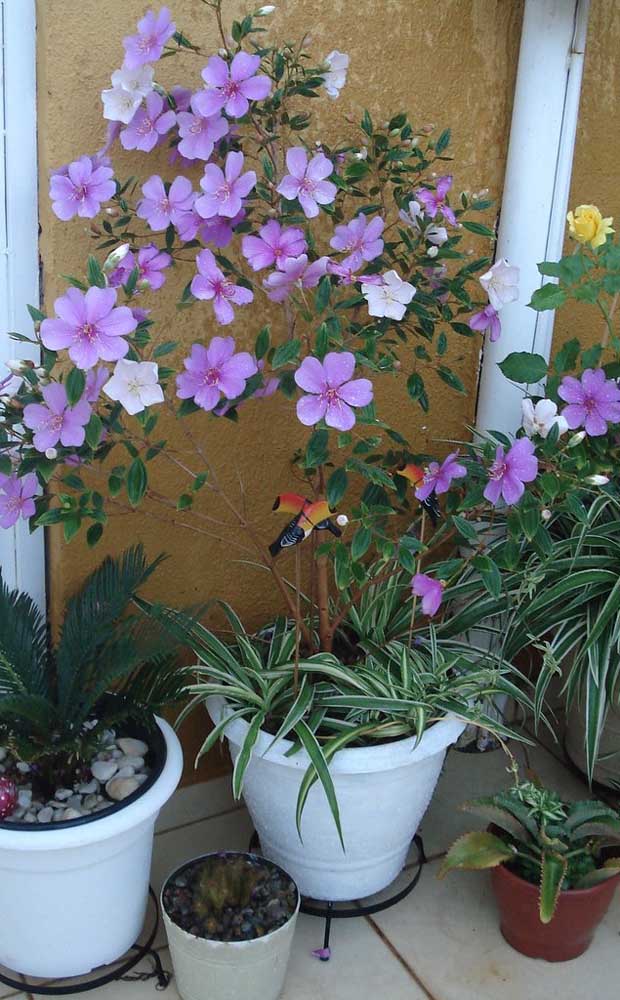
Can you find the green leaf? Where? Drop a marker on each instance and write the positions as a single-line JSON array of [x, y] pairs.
[[417, 391], [524, 367], [550, 296], [489, 574], [475, 851], [316, 451], [320, 769], [94, 273], [336, 487], [35, 314], [93, 534], [166, 348], [465, 529], [137, 481], [262, 343], [478, 229], [243, 758], [323, 292], [74, 385], [94, 430], [285, 353], [551, 878], [451, 379], [360, 543], [443, 142]]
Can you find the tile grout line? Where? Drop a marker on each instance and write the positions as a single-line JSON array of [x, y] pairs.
[[202, 819], [397, 955]]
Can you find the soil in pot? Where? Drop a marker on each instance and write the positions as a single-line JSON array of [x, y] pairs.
[[230, 897]]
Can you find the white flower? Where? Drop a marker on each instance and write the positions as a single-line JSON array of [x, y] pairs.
[[389, 299], [134, 385], [138, 82], [10, 386], [501, 283], [437, 235], [539, 419], [337, 64], [412, 217], [120, 105], [115, 257]]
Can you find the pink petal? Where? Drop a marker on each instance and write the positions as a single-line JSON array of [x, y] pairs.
[[220, 351], [308, 204], [256, 89], [215, 72], [288, 187], [492, 491], [319, 168], [243, 66], [55, 396], [594, 424], [512, 488], [297, 161], [234, 166], [338, 367], [311, 409], [56, 334], [324, 192], [357, 393], [208, 396], [98, 303], [208, 102], [310, 376], [339, 415], [571, 390], [574, 415]]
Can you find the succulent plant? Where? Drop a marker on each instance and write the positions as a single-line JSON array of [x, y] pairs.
[[224, 882], [558, 845]]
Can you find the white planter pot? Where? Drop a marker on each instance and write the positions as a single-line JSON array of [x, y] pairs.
[[75, 898], [228, 970], [383, 792]]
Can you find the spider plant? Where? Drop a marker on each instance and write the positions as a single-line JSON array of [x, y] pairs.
[[563, 597], [54, 701], [393, 691], [554, 844]]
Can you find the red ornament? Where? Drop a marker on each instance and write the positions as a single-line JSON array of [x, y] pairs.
[[8, 797]]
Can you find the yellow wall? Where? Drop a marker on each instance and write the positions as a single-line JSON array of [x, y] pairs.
[[451, 62]]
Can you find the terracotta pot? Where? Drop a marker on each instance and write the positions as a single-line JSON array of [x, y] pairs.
[[569, 934]]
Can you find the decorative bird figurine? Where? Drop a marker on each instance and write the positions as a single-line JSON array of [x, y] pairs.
[[415, 475], [309, 515]]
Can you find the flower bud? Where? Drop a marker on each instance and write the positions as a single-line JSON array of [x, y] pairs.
[[114, 212], [362, 154], [432, 251], [576, 439], [40, 372], [265, 11], [342, 520], [115, 257], [17, 366], [597, 480], [143, 285], [51, 453], [546, 514]]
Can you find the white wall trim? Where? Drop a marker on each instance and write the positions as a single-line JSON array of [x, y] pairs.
[[536, 188], [22, 555]]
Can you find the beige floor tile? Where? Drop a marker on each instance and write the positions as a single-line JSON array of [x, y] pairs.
[[196, 802], [448, 932], [362, 966], [467, 776], [122, 989], [8, 991]]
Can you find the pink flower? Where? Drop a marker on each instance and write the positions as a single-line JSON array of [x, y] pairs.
[[431, 592], [151, 264], [435, 201], [219, 231], [154, 30], [54, 420], [273, 246], [360, 239], [159, 207], [95, 379], [232, 88], [214, 371], [16, 498], [224, 191], [593, 401], [295, 273], [268, 388], [487, 320], [90, 325], [199, 134], [306, 181], [211, 283], [332, 393], [81, 187], [438, 478], [510, 471], [148, 124], [347, 274]]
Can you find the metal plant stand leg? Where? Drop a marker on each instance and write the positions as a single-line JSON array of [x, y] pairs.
[[123, 971], [329, 910]]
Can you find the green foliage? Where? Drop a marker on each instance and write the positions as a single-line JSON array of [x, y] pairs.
[[557, 845], [48, 695]]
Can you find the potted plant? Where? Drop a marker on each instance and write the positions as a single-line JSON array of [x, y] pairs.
[[85, 768], [552, 873], [230, 920]]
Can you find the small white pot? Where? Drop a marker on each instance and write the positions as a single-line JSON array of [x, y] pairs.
[[228, 970], [72, 899], [383, 792]]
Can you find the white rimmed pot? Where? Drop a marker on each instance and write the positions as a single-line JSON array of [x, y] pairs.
[[74, 898], [383, 792], [227, 970]]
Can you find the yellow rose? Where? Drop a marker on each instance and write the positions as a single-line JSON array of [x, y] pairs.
[[587, 225]]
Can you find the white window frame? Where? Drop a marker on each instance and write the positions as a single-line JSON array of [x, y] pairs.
[[22, 555]]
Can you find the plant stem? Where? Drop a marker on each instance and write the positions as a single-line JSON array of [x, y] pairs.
[[326, 631]]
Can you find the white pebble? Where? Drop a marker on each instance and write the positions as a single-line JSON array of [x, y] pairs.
[[71, 814], [62, 794], [75, 802], [125, 772], [90, 802], [22, 767], [103, 770], [45, 815], [136, 762], [133, 747], [24, 797], [141, 778], [30, 817], [88, 787], [120, 788], [3, 753]]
